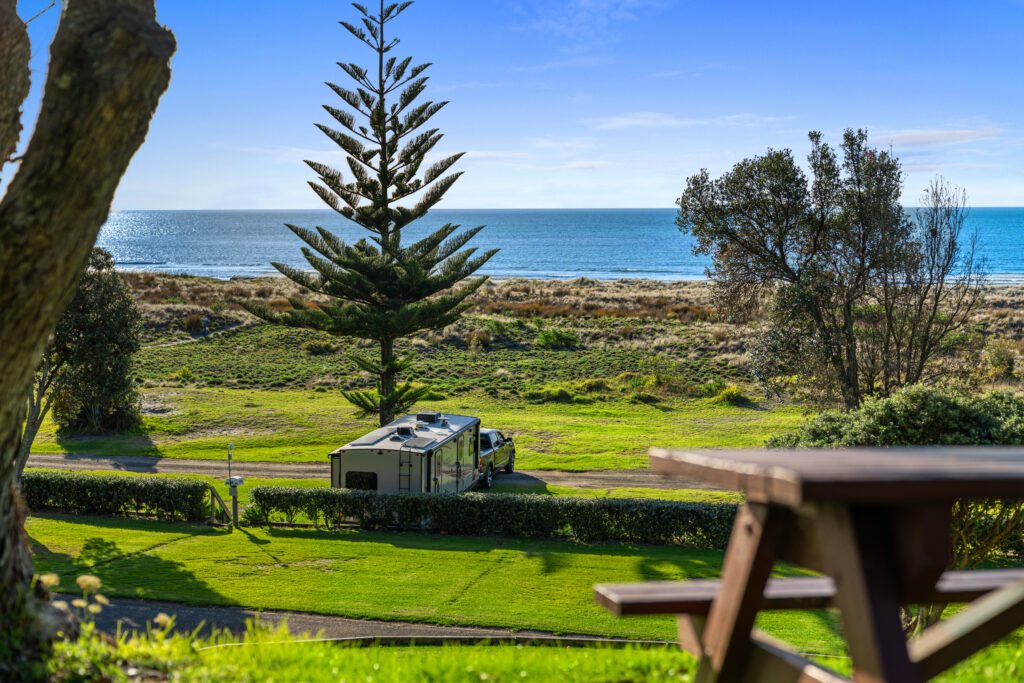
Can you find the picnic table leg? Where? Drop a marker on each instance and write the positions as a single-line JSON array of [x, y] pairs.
[[752, 550], [859, 546]]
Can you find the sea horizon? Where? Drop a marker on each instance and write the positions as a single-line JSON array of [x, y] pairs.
[[601, 244]]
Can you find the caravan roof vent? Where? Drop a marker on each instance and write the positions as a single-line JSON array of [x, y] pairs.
[[405, 430], [429, 418]]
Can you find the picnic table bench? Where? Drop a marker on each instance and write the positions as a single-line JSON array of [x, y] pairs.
[[875, 523]]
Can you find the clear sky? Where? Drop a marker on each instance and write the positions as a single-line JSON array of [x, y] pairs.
[[586, 103]]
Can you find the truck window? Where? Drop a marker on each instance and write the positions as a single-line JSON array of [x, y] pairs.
[[485, 441]]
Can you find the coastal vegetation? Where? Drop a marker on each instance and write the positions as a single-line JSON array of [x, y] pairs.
[[86, 372], [862, 296], [382, 290]]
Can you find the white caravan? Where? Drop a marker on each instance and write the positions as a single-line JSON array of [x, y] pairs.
[[422, 453]]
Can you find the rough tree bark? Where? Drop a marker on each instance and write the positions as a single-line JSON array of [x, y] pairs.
[[109, 64]]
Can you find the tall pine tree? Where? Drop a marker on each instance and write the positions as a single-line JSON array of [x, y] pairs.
[[380, 289]]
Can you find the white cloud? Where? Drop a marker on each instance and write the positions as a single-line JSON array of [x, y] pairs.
[[933, 137], [495, 155], [649, 119], [587, 20], [586, 164], [935, 167]]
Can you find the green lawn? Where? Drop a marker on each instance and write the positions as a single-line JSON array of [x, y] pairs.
[[688, 495], [518, 584], [304, 425]]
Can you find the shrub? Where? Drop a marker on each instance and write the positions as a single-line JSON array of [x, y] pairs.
[[643, 397], [116, 495], [714, 387], [732, 395], [556, 339], [184, 374], [549, 395], [594, 384], [698, 525], [479, 339], [192, 323], [929, 416], [1001, 358], [318, 347]]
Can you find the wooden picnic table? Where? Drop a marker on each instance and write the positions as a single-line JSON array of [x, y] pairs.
[[875, 523]]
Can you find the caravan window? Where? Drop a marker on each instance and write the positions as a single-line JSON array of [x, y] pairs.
[[363, 481]]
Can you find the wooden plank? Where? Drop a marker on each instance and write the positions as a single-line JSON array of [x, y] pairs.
[[859, 543], [691, 631], [875, 475], [985, 621], [772, 661], [806, 592], [752, 549]]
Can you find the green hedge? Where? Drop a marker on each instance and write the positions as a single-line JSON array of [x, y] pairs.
[[698, 525], [117, 495]]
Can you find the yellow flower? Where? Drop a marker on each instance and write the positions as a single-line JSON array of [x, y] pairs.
[[60, 604], [88, 583], [102, 599], [79, 602], [49, 580], [163, 621], [95, 609]]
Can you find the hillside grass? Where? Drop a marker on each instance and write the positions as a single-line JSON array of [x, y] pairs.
[[304, 425]]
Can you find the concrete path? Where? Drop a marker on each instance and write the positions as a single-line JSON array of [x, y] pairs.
[[589, 479], [133, 615]]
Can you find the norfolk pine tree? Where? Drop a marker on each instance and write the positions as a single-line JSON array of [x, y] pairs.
[[380, 289]]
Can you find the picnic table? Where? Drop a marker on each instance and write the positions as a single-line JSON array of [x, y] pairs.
[[875, 523]]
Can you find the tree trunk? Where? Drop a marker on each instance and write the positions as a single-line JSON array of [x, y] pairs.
[[387, 380], [108, 67]]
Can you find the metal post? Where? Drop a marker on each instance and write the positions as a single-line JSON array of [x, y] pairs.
[[234, 505]]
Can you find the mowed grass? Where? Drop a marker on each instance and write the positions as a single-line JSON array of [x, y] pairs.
[[304, 425], [511, 583], [685, 495]]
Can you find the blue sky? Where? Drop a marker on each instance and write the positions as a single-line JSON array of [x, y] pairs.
[[586, 103]]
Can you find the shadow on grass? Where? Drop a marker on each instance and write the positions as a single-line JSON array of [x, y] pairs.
[[136, 442], [125, 574]]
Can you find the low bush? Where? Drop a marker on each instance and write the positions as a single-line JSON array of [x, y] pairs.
[[696, 525], [643, 397], [192, 323], [931, 416], [318, 347], [732, 395], [556, 339], [549, 395], [116, 495], [479, 339]]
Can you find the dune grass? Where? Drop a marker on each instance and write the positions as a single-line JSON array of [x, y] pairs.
[[304, 425]]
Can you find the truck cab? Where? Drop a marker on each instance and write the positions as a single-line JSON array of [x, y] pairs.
[[496, 452]]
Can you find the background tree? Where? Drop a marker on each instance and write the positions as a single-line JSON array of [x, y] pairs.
[[862, 298], [86, 372], [382, 290], [108, 67]]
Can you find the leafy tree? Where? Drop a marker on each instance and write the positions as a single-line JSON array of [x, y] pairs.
[[86, 372], [379, 289], [862, 296], [109, 64]]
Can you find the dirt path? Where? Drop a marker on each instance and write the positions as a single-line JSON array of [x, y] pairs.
[[133, 615], [589, 479]]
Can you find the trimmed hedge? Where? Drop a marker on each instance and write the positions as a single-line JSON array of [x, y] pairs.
[[697, 525], [116, 495]]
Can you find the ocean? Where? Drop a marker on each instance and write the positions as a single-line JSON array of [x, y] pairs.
[[538, 243]]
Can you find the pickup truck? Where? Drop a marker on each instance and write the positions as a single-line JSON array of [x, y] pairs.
[[496, 451]]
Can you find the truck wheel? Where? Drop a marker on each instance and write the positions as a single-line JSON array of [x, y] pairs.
[[488, 480], [510, 466]]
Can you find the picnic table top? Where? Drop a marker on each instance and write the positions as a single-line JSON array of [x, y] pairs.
[[855, 475]]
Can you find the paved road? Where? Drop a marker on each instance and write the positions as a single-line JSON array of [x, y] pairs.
[[589, 479], [133, 615]]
